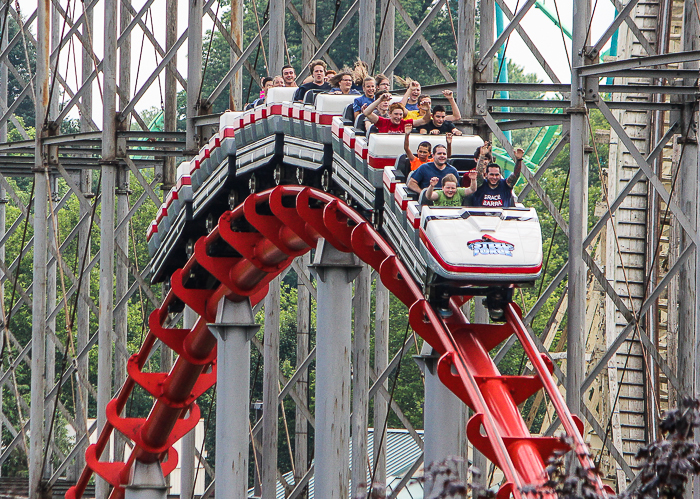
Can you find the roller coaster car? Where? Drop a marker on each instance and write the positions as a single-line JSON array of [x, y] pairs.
[[480, 251]]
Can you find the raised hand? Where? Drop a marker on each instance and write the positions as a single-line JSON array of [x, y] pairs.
[[447, 93], [434, 181], [519, 153], [407, 128]]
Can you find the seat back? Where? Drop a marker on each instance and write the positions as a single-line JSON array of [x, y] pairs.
[[349, 115], [423, 198], [402, 164]]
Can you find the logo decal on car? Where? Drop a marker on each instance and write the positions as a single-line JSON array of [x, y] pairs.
[[488, 245]]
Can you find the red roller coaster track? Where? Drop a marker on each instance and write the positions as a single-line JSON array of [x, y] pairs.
[[300, 216]]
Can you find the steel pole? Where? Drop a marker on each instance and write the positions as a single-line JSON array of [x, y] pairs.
[[277, 37], [443, 419], [308, 47], [481, 316], [335, 272], [578, 214], [170, 104], [466, 36], [367, 20], [109, 175], [271, 365], [3, 202], [381, 361], [36, 412], [236, 92], [194, 73], [235, 326], [360, 381], [301, 424], [187, 454], [386, 44]]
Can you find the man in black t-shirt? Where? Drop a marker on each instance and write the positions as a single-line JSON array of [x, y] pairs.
[[497, 192], [318, 73], [438, 124]]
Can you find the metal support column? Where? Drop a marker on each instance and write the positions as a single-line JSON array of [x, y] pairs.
[[235, 326], [50, 361], [187, 454], [236, 91], [276, 37], [301, 424], [386, 44], [271, 365], [486, 39], [170, 104], [367, 20], [443, 417], [335, 272], [36, 412], [146, 481], [194, 73], [381, 361], [3, 202], [109, 175], [578, 215], [466, 44], [360, 381], [121, 240], [308, 47], [481, 316]]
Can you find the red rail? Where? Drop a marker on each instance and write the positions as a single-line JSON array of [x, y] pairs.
[[465, 366]]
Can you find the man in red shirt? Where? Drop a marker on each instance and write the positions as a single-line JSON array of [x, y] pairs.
[[396, 123]]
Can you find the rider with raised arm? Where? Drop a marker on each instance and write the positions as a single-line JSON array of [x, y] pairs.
[[497, 192], [395, 124]]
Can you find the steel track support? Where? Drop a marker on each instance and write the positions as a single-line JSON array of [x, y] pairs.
[[444, 420], [381, 361], [578, 214], [360, 381], [270, 416], [3, 202], [234, 327], [689, 282], [146, 481], [479, 461], [170, 111], [188, 442], [308, 46], [386, 44], [109, 176], [466, 44], [236, 90], [194, 73], [334, 272], [367, 20], [301, 424], [277, 39], [38, 381]]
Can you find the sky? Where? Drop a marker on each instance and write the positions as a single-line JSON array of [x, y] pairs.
[[541, 30]]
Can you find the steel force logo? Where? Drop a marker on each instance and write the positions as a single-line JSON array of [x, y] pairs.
[[488, 245]]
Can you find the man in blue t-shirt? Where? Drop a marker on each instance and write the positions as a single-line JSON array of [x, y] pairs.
[[497, 192], [437, 168]]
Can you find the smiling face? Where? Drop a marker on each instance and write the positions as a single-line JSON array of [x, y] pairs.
[[369, 87], [450, 189], [289, 76], [278, 81], [383, 85], [440, 156], [396, 116], [493, 175], [319, 74], [415, 92]]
